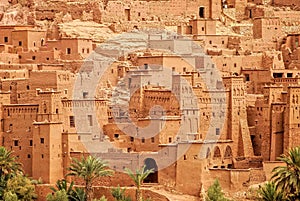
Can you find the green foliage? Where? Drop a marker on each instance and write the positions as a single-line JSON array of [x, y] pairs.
[[268, 192], [13, 184], [214, 192], [78, 195], [8, 164], [287, 178], [119, 194], [103, 198], [22, 187], [60, 195], [63, 185], [10, 196], [89, 169], [138, 178]]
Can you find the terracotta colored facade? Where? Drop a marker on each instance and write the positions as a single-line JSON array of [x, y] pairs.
[[217, 94]]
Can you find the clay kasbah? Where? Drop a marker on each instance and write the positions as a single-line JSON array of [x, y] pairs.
[[196, 90]]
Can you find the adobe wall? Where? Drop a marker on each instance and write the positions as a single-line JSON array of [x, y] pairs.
[[8, 58], [156, 10], [268, 167], [286, 3], [47, 10], [18, 135], [234, 180], [44, 189], [292, 123], [48, 150], [202, 157], [269, 29]]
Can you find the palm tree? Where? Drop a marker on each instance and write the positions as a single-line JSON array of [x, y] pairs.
[[268, 192], [138, 178], [63, 185], [8, 164], [78, 195], [119, 194], [287, 177], [89, 169], [8, 168]]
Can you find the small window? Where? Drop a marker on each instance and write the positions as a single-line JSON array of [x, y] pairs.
[[82, 50], [33, 57], [42, 140], [185, 157], [28, 156], [85, 94], [72, 121], [68, 50], [146, 66], [184, 69], [173, 68], [56, 111], [116, 135], [210, 42], [247, 77], [27, 87], [90, 119], [223, 42], [16, 143], [143, 140], [47, 59], [234, 64], [6, 39], [42, 155], [30, 143], [170, 139], [88, 50], [20, 43], [152, 139], [202, 28], [131, 139], [217, 131]]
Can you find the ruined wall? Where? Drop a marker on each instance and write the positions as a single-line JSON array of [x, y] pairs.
[[286, 3], [269, 29], [159, 10]]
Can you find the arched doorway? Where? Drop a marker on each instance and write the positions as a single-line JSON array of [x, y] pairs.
[[151, 164]]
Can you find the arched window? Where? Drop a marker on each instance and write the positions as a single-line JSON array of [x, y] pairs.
[[228, 152], [217, 152]]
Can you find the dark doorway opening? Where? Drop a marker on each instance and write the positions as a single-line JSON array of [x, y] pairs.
[[153, 177], [201, 12]]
